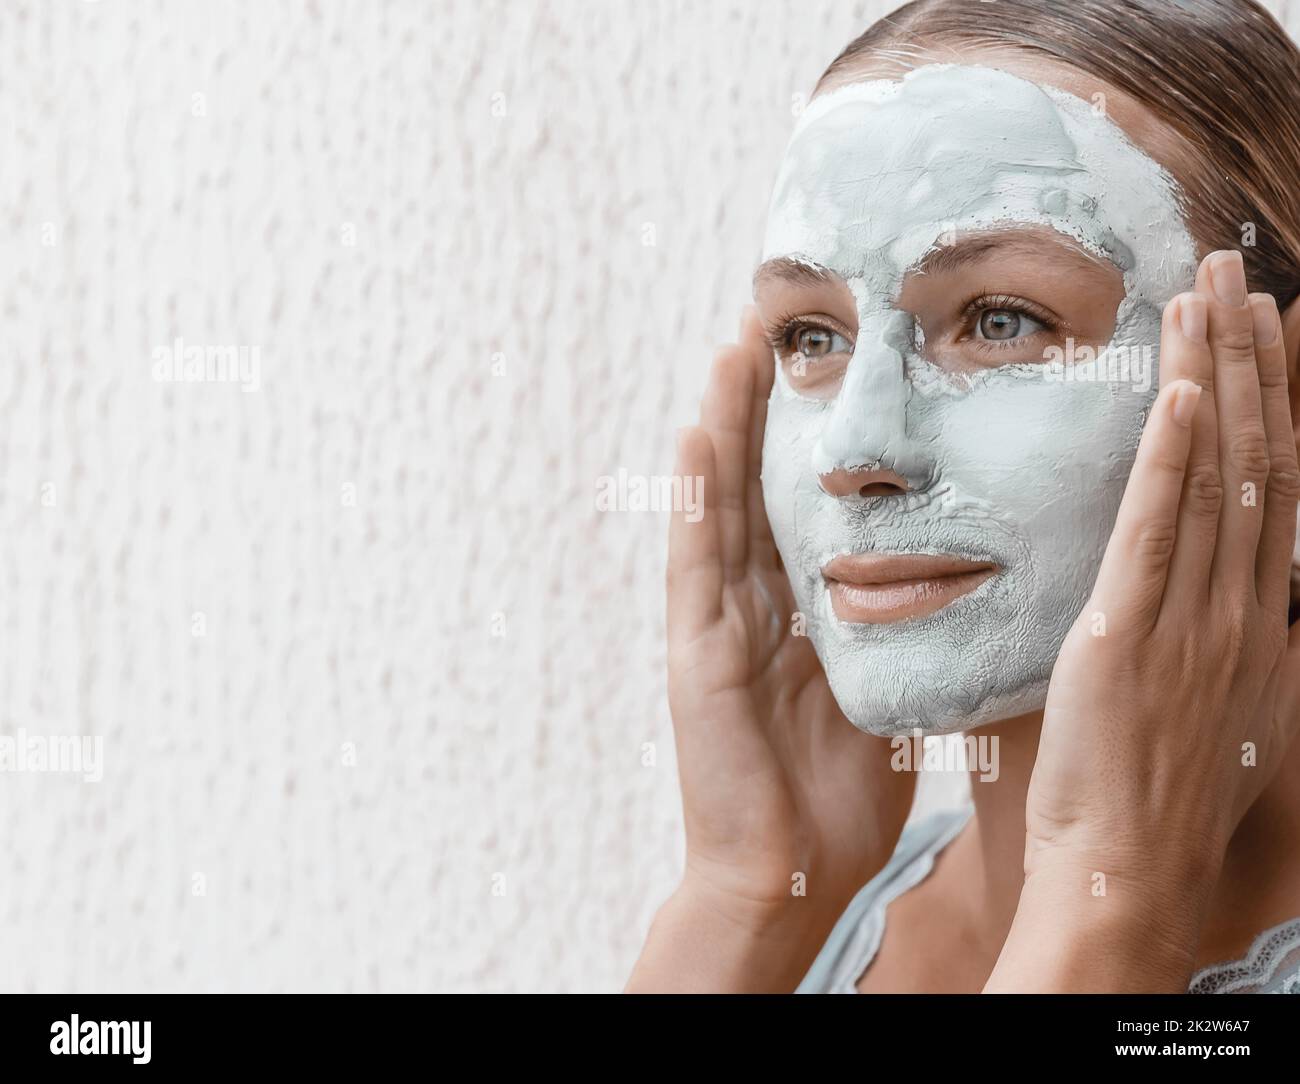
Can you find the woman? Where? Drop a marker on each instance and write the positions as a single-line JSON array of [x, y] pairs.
[[946, 492]]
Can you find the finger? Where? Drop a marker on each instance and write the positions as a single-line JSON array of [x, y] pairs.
[[1185, 355], [1243, 445], [725, 416], [753, 340], [1136, 565], [1277, 533], [694, 544]]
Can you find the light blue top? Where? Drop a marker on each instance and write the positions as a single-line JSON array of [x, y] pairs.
[[1271, 966]]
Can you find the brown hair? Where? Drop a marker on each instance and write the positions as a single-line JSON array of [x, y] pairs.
[[1220, 73]]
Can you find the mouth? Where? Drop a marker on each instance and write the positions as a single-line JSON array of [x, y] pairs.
[[880, 588]]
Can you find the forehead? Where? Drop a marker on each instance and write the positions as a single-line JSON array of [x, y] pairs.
[[878, 172], [1143, 128]]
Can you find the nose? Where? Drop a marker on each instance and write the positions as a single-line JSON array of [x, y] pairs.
[[863, 482], [865, 449]]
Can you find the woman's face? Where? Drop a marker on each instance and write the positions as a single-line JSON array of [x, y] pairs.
[[962, 278]]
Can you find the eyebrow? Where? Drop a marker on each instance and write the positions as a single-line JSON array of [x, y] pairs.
[[940, 259], [969, 250], [795, 272]]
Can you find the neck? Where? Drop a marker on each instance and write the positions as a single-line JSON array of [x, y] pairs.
[[996, 842]]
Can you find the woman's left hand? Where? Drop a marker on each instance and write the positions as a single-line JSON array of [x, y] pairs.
[[1175, 695]]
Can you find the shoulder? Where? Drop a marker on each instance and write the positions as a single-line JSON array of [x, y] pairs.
[[856, 935]]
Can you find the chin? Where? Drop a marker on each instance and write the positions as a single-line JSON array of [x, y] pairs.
[[900, 699]]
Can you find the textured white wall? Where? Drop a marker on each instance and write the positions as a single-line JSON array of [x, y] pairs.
[[199, 170]]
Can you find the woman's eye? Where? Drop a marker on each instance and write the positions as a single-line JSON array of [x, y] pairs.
[[813, 356], [1000, 325], [817, 342]]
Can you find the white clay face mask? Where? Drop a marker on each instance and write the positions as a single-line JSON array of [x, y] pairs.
[[1007, 467]]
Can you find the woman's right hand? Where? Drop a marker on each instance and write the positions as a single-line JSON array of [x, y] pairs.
[[789, 809]]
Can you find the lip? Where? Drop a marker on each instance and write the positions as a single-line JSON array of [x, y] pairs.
[[881, 588]]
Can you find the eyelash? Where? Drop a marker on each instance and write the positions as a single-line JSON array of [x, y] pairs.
[[781, 332], [971, 311]]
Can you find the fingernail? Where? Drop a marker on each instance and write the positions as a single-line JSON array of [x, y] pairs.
[[1186, 396], [1263, 310], [1192, 317], [1228, 277]]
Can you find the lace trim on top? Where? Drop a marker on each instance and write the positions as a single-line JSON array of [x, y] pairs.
[[1274, 952]]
